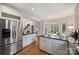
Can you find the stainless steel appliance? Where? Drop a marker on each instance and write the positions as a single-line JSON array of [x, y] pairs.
[[10, 37]]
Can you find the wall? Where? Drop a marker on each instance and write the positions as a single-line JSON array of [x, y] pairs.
[[76, 12], [37, 25], [68, 20]]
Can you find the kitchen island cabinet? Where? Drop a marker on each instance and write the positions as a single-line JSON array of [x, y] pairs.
[[53, 45]]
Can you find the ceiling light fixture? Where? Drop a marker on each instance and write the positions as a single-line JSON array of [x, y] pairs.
[[32, 9]]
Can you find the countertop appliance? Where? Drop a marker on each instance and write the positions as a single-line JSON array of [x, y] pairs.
[[10, 37]]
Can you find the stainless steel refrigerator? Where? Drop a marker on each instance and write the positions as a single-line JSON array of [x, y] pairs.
[[10, 37]]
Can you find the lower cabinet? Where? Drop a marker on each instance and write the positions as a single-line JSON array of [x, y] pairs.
[[5, 50], [28, 39], [46, 45], [42, 44], [53, 46], [49, 46]]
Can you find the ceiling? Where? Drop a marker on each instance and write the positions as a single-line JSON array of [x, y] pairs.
[[44, 11]]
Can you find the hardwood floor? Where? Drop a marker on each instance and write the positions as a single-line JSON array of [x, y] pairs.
[[32, 50]]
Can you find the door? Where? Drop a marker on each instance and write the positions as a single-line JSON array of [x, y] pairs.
[[5, 50], [49, 45], [13, 27], [43, 44]]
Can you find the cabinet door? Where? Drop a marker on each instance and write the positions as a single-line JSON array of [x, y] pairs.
[[48, 45], [42, 44], [25, 41], [5, 50], [0, 50], [59, 47]]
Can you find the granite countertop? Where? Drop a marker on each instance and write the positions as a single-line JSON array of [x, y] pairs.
[[52, 38], [28, 34]]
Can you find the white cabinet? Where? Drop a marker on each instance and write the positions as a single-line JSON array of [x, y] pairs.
[[46, 45], [49, 45], [53, 46], [42, 44], [28, 39]]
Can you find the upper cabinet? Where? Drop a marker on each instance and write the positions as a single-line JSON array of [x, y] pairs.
[[9, 10], [9, 13]]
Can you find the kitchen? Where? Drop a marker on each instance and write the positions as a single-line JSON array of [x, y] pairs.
[[53, 33]]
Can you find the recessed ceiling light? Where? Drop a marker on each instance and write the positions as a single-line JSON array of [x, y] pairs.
[[32, 8]]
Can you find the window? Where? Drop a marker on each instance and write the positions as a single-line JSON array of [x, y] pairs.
[[46, 28], [54, 28], [63, 28], [51, 27]]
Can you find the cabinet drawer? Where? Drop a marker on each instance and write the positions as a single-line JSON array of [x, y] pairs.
[[5, 50]]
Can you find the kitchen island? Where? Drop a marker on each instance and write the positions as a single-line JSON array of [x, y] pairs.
[[54, 45]]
